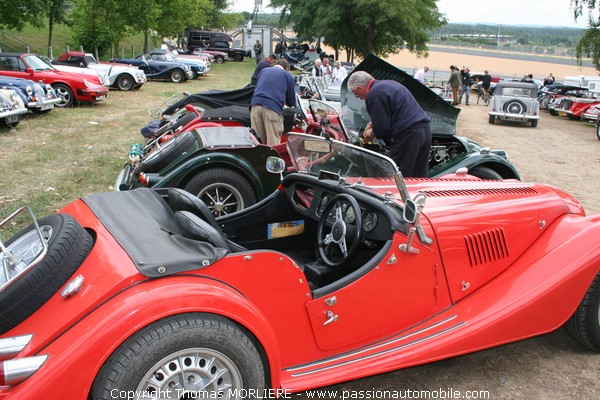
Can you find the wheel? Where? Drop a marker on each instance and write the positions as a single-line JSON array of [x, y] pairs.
[[224, 191], [515, 107], [31, 285], [486, 99], [65, 93], [176, 76], [219, 59], [342, 217], [584, 324], [159, 157], [183, 357], [598, 130], [125, 82], [534, 123], [544, 103], [485, 173], [492, 119], [238, 57]]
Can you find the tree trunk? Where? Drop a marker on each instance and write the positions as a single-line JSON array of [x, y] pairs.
[[145, 42], [50, 30]]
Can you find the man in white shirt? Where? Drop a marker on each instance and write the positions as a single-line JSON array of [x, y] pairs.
[[420, 74], [339, 73]]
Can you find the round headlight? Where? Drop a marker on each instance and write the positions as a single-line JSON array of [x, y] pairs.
[[29, 90], [86, 83], [14, 96], [48, 88]]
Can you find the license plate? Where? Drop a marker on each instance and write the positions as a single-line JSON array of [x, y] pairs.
[[98, 98], [516, 119], [12, 119], [47, 107]]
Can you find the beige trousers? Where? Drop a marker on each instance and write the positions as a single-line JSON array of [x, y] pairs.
[[267, 123]]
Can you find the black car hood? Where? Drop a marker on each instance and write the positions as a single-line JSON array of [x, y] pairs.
[[443, 116]]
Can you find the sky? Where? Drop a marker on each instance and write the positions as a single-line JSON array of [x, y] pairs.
[[505, 12]]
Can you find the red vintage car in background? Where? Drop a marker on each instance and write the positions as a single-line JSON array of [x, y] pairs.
[[72, 88], [346, 271]]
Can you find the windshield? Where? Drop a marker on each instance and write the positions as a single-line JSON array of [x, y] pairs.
[[313, 154], [37, 63]]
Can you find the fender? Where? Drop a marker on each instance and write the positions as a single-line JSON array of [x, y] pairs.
[[140, 305], [235, 160], [472, 160]]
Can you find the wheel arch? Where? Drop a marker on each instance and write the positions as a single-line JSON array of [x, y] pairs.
[[195, 295], [220, 160]]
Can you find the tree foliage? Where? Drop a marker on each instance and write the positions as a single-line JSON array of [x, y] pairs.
[[16, 13], [589, 44], [380, 27]]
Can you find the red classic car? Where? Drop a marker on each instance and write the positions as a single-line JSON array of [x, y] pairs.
[[72, 88], [346, 271]]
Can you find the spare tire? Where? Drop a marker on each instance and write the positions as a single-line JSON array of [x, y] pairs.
[[515, 107], [68, 246], [160, 157]]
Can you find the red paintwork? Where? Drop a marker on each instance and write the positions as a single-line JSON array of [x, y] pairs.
[[580, 106], [92, 92], [414, 311]]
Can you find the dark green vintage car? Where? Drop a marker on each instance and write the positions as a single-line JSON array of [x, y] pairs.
[[225, 166]]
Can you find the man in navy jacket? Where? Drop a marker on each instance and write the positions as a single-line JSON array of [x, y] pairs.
[[397, 119]]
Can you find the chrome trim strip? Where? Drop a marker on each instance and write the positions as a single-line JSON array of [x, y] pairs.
[[381, 352], [17, 370], [11, 346], [373, 347]]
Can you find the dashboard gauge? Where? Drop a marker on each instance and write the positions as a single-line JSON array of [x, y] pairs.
[[324, 201], [350, 217], [370, 221]]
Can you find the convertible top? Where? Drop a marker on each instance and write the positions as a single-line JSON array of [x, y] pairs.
[[142, 223]]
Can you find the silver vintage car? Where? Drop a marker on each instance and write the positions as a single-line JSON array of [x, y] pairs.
[[515, 101]]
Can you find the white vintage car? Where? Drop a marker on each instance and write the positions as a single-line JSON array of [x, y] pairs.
[[11, 108], [119, 76], [515, 101]]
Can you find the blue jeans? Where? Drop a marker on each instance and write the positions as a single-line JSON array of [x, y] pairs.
[[464, 89]]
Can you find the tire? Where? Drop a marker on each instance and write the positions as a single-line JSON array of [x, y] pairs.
[[553, 112], [177, 76], [534, 123], [598, 130], [219, 59], [158, 158], [584, 324], [486, 99], [125, 82], [65, 93], [485, 173], [515, 107], [544, 103], [492, 119], [238, 57], [68, 246], [212, 352], [224, 191]]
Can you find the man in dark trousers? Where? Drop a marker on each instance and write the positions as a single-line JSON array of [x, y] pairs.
[[397, 119], [275, 88]]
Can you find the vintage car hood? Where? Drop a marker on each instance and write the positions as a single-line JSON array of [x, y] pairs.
[[483, 227], [443, 115]]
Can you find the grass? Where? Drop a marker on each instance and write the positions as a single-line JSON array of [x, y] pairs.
[[52, 159]]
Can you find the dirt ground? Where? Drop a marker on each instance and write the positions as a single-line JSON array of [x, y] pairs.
[[565, 154]]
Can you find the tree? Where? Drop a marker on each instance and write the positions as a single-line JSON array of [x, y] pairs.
[[58, 11], [380, 27], [589, 44], [16, 13]]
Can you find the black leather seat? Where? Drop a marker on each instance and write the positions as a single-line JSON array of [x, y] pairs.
[[194, 227], [181, 200]]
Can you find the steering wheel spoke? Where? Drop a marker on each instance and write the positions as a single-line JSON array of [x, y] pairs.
[[333, 230]]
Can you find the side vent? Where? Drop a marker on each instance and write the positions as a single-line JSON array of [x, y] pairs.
[[486, 247]]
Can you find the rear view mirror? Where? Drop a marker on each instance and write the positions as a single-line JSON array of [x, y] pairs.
[[275, 165], [410, 211]]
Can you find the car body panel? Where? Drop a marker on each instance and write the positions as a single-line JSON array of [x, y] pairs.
[[507, 92], [199, 67], [85, 88], [11, 107]]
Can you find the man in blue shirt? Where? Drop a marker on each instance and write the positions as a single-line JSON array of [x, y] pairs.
[[397, 119], [266, 63], [274, 89]]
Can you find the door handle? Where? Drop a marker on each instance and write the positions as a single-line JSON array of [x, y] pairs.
[[331, 317]]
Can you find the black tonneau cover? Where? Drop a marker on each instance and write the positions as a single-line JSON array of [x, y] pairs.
[[142, 223]]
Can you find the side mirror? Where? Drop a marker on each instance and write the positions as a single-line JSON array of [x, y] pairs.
[[275, 165], [410, 211]]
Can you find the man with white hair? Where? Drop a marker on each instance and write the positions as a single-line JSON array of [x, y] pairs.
[[397, 119], [339, 73]]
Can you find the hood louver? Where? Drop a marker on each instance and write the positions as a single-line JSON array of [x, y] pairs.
[[482, 192], [486, 247]]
